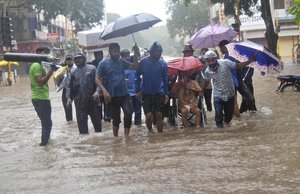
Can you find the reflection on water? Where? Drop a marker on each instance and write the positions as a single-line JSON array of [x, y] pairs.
[[257, 154]]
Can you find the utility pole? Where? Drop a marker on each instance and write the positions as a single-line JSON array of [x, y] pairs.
[[6, 27], [2, 5]]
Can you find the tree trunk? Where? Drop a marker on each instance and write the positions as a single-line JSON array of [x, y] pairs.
[[270, 34]]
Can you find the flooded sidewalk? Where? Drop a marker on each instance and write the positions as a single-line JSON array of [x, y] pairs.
[[257, 154]]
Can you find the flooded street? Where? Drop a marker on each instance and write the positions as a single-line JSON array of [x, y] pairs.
[[257, 154]]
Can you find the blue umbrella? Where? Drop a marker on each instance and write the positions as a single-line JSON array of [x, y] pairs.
[[129, 25], [265, 60]]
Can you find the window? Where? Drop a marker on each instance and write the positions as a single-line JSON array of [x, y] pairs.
[[279, 4]]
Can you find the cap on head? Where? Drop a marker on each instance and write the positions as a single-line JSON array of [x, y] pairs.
[[210, 55], [78, 55], [69, 56], [188, 48]]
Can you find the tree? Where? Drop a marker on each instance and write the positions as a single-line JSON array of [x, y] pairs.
[[84, 13], [270, 34], [235, 7], [186, 20], [295, 11]]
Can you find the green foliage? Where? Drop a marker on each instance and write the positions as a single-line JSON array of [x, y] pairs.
[[71, 46], [186, 20], [85, 13], [295, 11], [231, 5]]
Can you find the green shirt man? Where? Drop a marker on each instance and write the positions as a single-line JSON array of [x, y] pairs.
[[39, 92]]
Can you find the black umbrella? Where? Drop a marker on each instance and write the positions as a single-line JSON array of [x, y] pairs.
[[129, 25]]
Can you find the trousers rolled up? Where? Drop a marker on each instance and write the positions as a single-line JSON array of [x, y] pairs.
[[115, 105], [43, 110], [82, 112]]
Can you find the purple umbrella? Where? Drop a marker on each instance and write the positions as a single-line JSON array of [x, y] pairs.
[[129, 25], [210, 36]]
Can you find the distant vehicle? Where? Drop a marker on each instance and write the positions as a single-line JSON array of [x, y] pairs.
[[288, 83]]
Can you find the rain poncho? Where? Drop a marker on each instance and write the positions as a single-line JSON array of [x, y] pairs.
[[81, 86], [155, 73]]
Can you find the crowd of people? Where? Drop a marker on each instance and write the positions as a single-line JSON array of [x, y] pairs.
[[132, 82]]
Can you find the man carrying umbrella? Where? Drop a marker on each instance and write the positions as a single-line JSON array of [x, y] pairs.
[[111, 80], [241, 87], [154, 71], [223, 88]]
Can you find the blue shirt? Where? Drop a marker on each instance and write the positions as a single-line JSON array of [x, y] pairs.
[[130, 76], [113, 76], [233, 71], [155, 76]]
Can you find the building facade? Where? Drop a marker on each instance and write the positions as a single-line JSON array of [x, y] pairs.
[[31, 31]]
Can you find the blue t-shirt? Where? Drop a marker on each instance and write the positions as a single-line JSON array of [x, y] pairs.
[[113, 76], [155, 76], [130, 76], [233, 71]]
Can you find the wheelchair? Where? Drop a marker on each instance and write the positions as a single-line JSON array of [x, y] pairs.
[[174, 116]]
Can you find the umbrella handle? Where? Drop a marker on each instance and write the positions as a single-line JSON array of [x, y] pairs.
[[133, 38]]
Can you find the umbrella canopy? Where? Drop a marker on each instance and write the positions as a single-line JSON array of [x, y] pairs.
[[5, 63], [129, 25], [265, 60], [210, 36], [189, 64]]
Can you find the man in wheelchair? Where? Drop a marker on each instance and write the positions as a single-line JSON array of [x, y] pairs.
[[187, 91]]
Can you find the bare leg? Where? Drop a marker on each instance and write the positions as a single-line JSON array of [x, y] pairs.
[[197, 113], [126, 132], [116, 131], [149, 119], [159, 123], [236, 107], [184, 115]]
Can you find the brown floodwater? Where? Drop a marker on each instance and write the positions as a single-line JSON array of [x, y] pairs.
[[256, 154]]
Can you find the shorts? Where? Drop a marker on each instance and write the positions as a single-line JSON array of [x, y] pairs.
[[116, 104], [154, 102]]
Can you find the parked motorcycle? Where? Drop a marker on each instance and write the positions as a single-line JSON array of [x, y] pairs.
[[288, 83]]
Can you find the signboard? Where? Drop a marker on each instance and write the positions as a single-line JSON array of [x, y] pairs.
[[54, 37], [41, 35]]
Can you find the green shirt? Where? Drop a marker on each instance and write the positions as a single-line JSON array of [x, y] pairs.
[[38, 92]]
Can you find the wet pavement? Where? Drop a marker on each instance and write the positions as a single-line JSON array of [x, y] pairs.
[[256, 154]]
